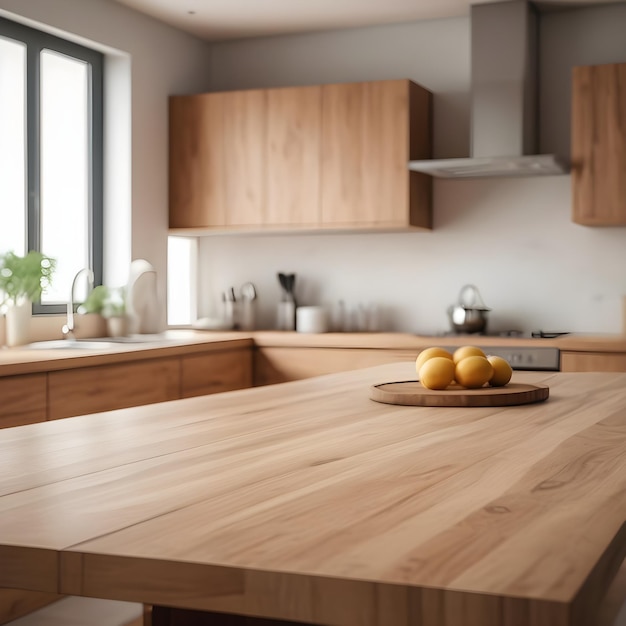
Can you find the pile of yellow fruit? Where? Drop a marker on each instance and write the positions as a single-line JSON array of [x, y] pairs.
[[468, 366]]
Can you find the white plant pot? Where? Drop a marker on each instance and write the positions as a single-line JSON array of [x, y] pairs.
[[18, 323], [117, 326]]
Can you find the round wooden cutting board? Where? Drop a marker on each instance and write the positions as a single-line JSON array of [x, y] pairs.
[[411, 393]]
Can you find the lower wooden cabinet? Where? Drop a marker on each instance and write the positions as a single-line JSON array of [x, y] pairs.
[[282, 364], [23, 399], [203, 374], [593, 362], [108, 387], [31, 398], [279, 365]]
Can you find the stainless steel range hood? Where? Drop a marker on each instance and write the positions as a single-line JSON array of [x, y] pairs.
[[504, 99]]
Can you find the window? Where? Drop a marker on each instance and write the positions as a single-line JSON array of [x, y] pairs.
[[51, 154], [181, 280]]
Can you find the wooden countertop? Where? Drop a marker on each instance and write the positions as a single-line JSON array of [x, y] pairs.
[[398, 341], [308, 501], [23, 361]]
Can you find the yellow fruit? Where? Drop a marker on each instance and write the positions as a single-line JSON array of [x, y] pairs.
[[429, 353], [465, 351], [437, 372], [502, 371], [473, 372]]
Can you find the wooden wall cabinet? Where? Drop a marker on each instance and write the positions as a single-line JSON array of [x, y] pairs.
[[212, 135], [369, 133], [599, 145], [292, 157], [317, 157]]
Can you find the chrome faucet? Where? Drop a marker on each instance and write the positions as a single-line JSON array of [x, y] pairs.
[[69, 326]]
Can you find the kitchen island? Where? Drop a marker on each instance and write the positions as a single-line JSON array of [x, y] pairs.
[[309, 502]]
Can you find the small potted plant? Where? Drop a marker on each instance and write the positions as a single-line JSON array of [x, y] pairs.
[[22, 281], [110, 302]]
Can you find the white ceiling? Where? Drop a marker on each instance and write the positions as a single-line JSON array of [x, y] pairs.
[[215, 20]]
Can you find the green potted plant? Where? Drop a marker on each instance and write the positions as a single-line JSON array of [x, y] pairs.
[[110, 302], [22, 281]]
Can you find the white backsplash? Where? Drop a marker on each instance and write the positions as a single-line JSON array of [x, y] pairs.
[[512, 238]]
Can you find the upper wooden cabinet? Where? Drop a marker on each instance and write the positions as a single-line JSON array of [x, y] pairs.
[[369, 133], [292, 157], [330, 156], [599, 145], [212, 135]]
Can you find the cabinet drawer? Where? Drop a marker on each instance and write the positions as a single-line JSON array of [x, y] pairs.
[[203, 374], [108, 387], [593, 362], [22, 400]]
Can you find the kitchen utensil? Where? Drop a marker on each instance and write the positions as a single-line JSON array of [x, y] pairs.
[[230, 308], [468, 315], [247, 307], [287, 307], [287, 282], [411, 393], [248, 291]]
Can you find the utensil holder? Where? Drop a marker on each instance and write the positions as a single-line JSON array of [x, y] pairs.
[[286, 315]]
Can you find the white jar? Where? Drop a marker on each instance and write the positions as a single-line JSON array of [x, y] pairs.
[[311, 319]]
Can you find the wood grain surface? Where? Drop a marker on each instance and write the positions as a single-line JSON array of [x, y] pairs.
[[412, 393], [599, 144], [310, 502], [184, 341]]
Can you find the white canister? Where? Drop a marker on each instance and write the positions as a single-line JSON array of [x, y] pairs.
[[311, 319]]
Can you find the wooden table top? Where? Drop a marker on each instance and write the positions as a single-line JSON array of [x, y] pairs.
[[308, 501]]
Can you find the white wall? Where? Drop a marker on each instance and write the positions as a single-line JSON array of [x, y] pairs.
[[512, 238], [146, 61]]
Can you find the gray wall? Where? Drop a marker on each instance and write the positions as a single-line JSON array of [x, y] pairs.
[[512, 238]]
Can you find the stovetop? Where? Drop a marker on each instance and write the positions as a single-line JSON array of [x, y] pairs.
[[521, 357], [518, 334]]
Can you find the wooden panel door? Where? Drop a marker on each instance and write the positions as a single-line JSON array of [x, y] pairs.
[[108, 387], [599, 145], [593, 362], [196, 172], [243, 153], [293, 156], [22, 400], [204, 374], [279, 365], [365, 147]]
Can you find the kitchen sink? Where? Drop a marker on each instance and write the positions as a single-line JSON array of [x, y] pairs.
[[97, 343], [71, 344]]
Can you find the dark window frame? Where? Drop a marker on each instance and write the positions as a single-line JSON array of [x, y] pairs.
[[36, 41]]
